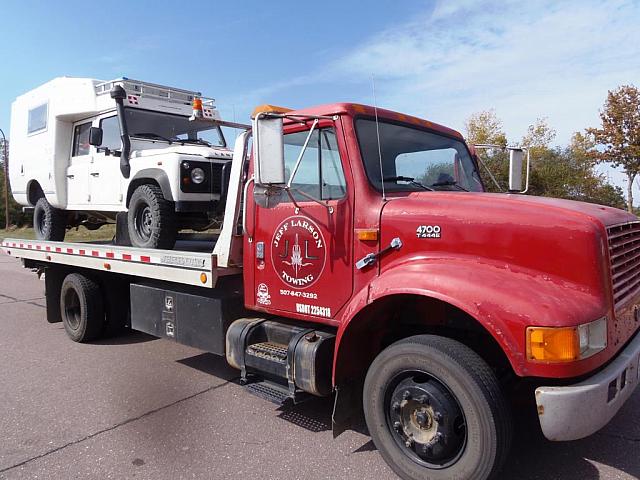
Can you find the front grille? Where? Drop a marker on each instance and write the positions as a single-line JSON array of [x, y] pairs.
[[624, 253]]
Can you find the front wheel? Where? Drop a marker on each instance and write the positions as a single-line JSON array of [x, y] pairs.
[[434, 409], [151, 219], [49, 223]]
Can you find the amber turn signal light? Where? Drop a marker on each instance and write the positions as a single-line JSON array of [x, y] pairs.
[[367, 234], [546, 344]]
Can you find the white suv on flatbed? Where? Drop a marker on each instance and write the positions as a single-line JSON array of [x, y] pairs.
[[89, 152]]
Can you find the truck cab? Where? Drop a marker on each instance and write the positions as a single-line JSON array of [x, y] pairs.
[[88, 152]]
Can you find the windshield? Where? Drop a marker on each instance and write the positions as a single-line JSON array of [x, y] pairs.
[[174, 128], [414, 159]]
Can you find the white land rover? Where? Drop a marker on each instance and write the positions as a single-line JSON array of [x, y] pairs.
[[152, 159]]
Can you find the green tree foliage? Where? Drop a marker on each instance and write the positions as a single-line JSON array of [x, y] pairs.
[[485, 128], [16, 215], [619, 135], [555, 172]]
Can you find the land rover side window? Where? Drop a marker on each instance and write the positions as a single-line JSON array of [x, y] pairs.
[[38, 118], [412, 157], [320, 173], [110, 133], [81, 139]]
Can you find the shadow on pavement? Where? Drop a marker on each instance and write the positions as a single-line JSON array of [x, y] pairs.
[[212, 365], [125, 338]]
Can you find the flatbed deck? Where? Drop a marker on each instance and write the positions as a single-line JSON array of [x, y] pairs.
[[191, 262]]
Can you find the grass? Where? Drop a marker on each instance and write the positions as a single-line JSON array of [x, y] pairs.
[[80, 234]]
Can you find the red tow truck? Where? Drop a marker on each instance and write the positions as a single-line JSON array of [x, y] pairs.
[[360, 257]]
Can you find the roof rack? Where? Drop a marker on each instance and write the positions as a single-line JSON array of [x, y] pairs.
[[153, 90]]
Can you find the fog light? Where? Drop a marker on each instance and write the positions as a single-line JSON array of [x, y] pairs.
[[197, 175]]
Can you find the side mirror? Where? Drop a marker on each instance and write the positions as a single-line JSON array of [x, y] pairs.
[[516, 157], [95, 136], [268, 150]]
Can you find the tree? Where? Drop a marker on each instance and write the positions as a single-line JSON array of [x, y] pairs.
[[486, 128], [562, 173], [619, 135], [16, 215]]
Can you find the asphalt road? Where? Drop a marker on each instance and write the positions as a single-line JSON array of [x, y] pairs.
[[148, 408]]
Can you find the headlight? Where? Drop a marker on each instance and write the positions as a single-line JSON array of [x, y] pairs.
[[197, 175], [566, 344]]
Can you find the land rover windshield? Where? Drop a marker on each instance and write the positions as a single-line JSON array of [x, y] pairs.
[[146, 124], [414, 159]]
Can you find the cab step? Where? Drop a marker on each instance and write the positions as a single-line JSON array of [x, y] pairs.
[[270, 391]]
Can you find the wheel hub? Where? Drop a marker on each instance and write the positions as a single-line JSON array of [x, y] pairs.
[[427, 421]]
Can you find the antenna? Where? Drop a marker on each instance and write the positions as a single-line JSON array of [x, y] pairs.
[[375, 109]]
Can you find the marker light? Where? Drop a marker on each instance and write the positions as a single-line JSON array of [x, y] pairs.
[[197, 108], [566, 344], [367, 234]]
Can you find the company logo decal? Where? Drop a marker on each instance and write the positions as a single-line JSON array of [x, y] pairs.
[[263, 295], [298, 252]]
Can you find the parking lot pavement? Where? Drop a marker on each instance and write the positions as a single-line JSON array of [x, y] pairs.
[[141, 407]]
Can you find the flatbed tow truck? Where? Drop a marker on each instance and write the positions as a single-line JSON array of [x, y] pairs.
[[360, 257]]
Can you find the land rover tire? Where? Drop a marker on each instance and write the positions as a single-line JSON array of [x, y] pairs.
[[81, 308], [434, 410], [49, 222], [151, 218]]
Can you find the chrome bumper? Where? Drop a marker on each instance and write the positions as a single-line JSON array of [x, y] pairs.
[[577, 411]]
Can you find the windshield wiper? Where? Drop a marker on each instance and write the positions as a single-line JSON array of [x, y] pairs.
[[200, 141], [449, 183], [410, 180], [151, 135]]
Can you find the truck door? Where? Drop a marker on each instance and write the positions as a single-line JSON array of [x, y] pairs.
[[105, 179], [303, 256], [78, 169]]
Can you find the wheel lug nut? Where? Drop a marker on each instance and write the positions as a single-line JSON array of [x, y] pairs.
[[409, 442], [396, 406], [397, 425], [406, 395], [437, 416]]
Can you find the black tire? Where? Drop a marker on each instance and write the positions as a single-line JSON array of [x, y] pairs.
[[456, 380], [49, 222], [151, 219], [81, 308]]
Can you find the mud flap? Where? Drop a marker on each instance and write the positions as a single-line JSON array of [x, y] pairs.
[[345, 408]]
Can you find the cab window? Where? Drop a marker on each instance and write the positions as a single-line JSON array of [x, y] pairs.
[[320, 173], [81, 140], [110, 133]]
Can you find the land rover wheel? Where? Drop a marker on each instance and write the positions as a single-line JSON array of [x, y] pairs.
[[49, 222], [81, 308], [435, 411], [151, 219]]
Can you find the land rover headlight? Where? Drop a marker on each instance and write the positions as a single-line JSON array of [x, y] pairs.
[[197, 175], [566, 344]]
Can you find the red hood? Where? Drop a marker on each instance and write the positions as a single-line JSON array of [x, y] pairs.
[[561, 238], [606, 215]]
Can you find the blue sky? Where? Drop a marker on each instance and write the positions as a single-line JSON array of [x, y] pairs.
[[441, 60]]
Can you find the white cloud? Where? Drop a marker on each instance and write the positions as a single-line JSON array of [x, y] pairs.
[[546, 58], [525, 59]]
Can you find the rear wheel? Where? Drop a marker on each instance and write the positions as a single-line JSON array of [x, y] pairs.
[[81, 308], [151, 219], [435, 411], [49, 222]]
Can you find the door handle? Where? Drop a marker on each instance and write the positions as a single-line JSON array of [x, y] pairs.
[[95, 174], [70, 176]]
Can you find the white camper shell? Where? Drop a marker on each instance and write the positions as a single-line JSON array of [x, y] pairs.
[[72, 138]]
